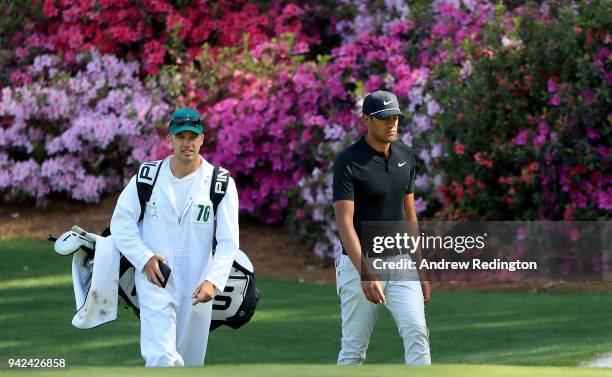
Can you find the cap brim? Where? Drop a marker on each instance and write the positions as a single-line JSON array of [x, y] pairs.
[[387, 113], [186, 127]]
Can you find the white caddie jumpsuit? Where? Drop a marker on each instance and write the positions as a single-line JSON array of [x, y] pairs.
[[173, 332]]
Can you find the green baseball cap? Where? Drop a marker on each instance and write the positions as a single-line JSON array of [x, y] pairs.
[[186, 119]]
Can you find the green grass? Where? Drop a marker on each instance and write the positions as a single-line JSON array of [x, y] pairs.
[[276, 370], [299, 324]]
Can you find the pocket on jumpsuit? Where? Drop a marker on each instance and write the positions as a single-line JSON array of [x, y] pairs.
[[345, 273]]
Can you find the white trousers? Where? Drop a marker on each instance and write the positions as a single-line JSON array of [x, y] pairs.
[[173, 332], [404, 301]]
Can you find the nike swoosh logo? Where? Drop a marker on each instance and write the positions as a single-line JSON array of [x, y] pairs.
[[386, 103], [402, 164]]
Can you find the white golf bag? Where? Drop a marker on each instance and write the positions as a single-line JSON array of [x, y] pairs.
[[234, 307]]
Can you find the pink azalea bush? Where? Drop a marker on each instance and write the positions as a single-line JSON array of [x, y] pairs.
[[76, 133], [154, 32], [268, 127], [527, 134], [507, 106]]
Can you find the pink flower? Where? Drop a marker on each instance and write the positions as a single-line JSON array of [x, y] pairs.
[[522, 137], [555, 100], [301, 48], [587, 97], [374, 83], [592, 134], [543, 128], [539, 140], [420, 205], [400, 27], [604, 199]]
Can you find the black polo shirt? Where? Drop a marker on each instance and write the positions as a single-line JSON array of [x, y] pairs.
[[376, 183]]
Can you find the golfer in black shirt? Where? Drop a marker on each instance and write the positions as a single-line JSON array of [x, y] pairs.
[[374, 181]]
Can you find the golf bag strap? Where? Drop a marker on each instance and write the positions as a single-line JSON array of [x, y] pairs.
[[145, 181], [218, 187]]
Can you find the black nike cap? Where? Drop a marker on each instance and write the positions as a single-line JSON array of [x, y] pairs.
[[381, 105]]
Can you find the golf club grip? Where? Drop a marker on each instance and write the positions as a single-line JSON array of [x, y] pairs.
[[84, 234], [78, 230]]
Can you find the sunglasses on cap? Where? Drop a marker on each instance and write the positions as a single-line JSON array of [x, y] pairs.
[[186, 121]]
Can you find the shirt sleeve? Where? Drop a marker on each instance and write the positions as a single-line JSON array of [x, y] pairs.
[[124, 227], [410, 185], [227, 238], [343, 186]]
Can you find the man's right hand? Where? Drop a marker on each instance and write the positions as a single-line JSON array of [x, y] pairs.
[[373, 291], [152, 270]]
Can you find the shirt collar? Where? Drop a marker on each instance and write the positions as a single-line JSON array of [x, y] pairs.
[[374, 151]]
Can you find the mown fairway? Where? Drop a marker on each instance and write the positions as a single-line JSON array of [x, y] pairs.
[[299, 324]]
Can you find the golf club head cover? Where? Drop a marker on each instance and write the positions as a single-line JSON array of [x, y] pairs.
[[70, 242]]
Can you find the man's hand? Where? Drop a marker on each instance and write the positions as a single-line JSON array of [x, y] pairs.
[[373, 292], [152, 270], [426, 290], [203, 293]]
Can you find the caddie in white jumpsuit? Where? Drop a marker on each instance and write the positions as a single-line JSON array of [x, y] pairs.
[[177, 228], [373, 182]]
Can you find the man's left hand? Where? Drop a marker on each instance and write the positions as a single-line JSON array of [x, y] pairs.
[[426, 290], [203, 293]]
